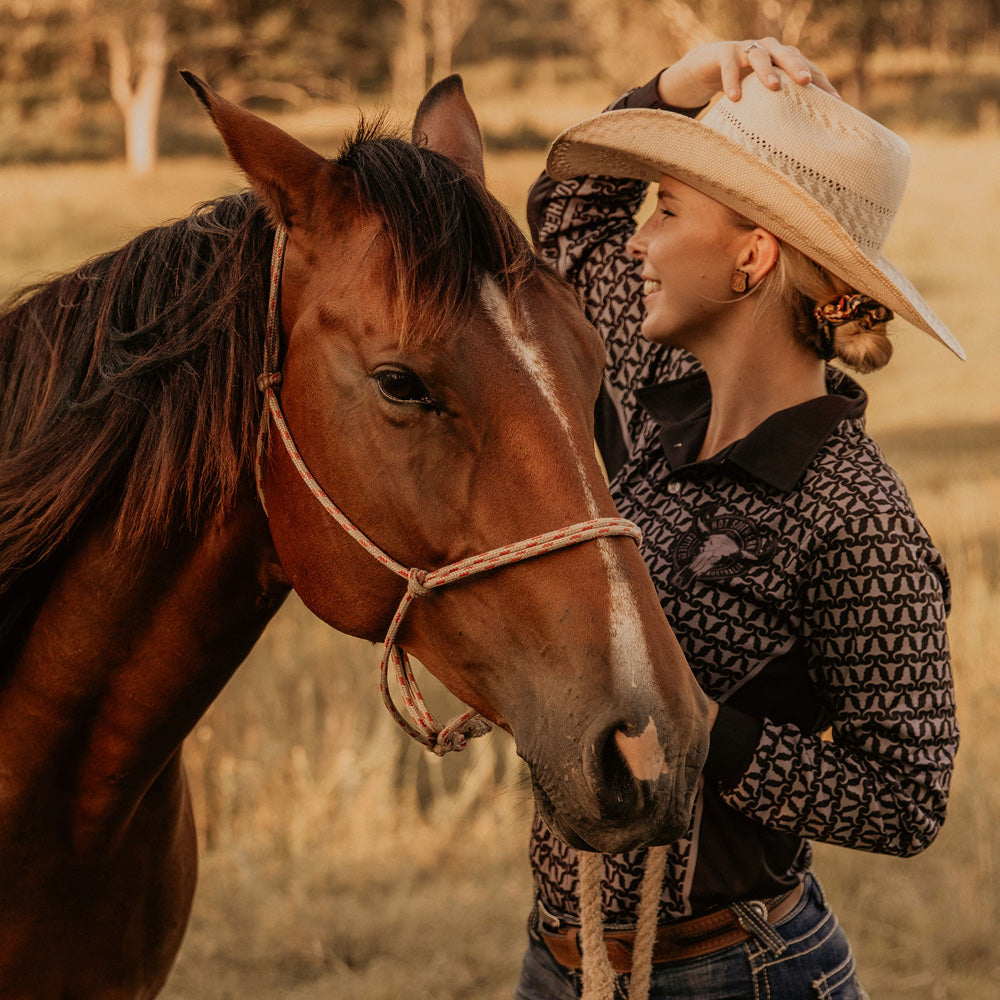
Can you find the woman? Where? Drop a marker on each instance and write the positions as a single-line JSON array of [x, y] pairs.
[[804, 591]]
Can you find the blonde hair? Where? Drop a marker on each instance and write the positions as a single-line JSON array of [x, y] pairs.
[[802, 286]]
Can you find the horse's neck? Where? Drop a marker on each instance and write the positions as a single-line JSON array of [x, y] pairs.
[[125, 654]]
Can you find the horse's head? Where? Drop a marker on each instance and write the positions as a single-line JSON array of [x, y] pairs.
[[440, 382]]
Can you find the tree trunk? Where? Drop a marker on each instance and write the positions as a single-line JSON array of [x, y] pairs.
[[442, 39], [137, 88], [409, 60], [449, 20]]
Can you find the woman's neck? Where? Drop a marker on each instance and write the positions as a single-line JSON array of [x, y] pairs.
[[753, 375]]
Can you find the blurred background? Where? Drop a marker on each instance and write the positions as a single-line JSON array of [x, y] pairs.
[[338, 860]]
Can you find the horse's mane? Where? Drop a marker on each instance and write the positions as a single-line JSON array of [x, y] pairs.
[[129, 385]]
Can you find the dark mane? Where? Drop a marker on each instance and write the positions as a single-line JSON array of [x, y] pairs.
[[130, 383], [447, 232]]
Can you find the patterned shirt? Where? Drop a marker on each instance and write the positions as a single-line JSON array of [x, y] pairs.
[[805, 593]]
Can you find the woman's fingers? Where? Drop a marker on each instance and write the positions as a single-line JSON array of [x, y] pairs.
[[766, 53], [732, 66], [722, 66]]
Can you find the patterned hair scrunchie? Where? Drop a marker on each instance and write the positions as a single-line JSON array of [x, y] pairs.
[[857, 308]]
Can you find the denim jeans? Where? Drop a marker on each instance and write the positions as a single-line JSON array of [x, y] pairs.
[[809, 959]]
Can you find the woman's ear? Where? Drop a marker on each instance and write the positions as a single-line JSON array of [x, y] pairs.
[[759, 255]]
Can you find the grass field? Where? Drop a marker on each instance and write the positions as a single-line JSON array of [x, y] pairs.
[[338, 862]]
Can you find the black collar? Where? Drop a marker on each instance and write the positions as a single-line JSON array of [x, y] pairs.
[[776, 452]]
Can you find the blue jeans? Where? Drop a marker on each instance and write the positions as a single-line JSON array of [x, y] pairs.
[[813, 962]]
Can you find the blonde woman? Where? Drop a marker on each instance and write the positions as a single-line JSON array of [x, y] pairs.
[[806, 594]]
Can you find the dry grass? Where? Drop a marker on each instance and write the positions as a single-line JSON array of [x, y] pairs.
[[339, 862]]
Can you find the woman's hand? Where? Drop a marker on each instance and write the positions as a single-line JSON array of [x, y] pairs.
[[720, 66]]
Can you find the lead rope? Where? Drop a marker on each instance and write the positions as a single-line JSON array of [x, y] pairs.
[[645, 931], [425, 728], [598, 976]]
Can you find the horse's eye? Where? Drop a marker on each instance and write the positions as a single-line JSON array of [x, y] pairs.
[[399, 385]]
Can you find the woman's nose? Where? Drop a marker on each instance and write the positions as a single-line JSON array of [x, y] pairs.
[[636, 244]]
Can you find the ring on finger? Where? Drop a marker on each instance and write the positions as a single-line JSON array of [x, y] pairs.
[[753, 45]]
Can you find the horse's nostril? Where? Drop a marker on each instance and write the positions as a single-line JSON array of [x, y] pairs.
[[613, 782]]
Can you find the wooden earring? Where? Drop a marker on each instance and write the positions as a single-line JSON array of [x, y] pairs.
[[740, 282]]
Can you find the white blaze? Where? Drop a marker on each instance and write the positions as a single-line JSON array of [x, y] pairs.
[[628, 649]]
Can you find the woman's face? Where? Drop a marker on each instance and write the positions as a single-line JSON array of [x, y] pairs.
[[689, 248]]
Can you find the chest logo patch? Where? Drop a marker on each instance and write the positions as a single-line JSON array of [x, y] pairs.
[[718, 546]]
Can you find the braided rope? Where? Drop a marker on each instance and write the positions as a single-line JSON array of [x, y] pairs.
[[645, 932], [455, 734], [598, 976]]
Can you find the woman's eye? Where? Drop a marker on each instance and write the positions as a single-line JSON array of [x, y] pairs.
[[401, 386]]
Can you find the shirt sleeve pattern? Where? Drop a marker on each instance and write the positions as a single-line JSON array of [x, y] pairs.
[[583, 231], [875, 625], [581, 227]]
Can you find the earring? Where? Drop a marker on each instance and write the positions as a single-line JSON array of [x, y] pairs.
[[740, 282]]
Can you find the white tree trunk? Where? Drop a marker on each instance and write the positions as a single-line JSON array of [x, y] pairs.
[[449, 20], [137, 88], [409, 60]]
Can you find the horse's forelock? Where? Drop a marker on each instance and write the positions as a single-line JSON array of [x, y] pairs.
[[446, 232]]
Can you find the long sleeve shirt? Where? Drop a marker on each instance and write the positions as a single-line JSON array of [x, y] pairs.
[[807, 596]]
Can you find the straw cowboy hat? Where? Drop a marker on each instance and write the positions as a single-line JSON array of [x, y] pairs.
[[799, 162]]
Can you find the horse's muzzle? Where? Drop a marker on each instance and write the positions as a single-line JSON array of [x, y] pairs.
[[629, 788]]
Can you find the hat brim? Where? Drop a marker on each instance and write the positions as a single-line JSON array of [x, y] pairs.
[[645, 144]]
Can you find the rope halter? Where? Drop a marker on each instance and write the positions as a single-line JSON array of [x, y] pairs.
[[422, 726]]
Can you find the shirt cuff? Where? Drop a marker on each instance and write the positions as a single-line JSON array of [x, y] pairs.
[[734, 739], [648, 96]]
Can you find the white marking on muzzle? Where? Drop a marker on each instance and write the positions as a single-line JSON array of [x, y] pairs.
[[628, 649], [643, 753]]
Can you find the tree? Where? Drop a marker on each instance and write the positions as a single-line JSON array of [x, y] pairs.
[[138, 70], [449, 20], [429, 27], [409, 58]]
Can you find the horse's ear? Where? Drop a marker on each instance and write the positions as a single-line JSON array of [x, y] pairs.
[[446, 123], [285, 172]]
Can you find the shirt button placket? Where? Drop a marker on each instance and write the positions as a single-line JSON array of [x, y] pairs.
[[674, 486]]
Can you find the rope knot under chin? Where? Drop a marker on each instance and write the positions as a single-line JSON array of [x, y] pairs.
[[268, 381], [456, 735], [415, 582]]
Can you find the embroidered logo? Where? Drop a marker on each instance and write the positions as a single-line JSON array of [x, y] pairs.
[[719, 546]]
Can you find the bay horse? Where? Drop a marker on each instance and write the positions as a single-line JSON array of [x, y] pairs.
[[424, 375]]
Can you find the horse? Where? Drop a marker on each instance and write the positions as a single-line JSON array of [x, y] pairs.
[[354, 379]]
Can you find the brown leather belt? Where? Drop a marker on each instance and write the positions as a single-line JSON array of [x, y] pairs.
[[675, 942]]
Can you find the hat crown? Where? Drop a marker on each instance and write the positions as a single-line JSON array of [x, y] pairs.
[[851, 165]]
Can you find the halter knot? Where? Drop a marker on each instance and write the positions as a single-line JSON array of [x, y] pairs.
[[268, 380], [415, 582], [456, 735]]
